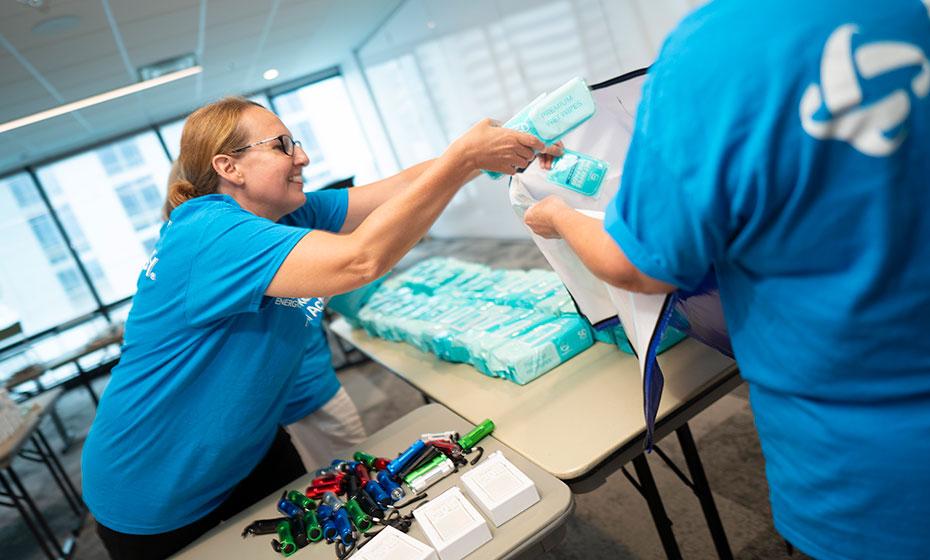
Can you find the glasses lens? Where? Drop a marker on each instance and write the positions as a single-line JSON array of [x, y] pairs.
[[287, 144]]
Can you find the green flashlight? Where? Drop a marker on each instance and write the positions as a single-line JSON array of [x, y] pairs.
[[473, 437]]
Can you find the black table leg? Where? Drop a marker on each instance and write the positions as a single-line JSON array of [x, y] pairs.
[[62, 430], [56, 547], [58, 472], [85, 379], [702, 491], [647, 487], [27, 517]]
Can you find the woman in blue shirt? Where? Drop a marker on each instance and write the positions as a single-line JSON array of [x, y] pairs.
[[218, 323]]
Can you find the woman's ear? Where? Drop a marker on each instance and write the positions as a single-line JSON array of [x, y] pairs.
[[226, 167]]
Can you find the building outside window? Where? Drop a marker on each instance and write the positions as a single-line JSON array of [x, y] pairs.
[[37, 272], [109, 202]]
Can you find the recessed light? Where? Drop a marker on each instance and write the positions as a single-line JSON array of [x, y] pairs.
[[431, 24], [270, 74]]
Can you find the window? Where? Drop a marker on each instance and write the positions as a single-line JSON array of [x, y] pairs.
[[433, 73], [142, 201], [34, 260], [171, 134], [49, 238], [24, 191], [120, 157], [322, 118], [78, 240], [109, 201]]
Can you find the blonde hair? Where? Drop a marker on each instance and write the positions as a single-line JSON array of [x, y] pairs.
[[213, 129]]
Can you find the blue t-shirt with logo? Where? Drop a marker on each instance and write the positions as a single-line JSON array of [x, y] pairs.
[[786, 144], [207, 366]]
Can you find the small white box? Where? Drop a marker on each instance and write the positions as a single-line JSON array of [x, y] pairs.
[[499, 488], [391, 544], [454, 527]]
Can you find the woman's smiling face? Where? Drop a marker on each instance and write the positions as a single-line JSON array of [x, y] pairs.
[[272, 183]]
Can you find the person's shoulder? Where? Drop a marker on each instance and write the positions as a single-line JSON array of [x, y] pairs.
[[728, 37], [209, 210], [207, 218]]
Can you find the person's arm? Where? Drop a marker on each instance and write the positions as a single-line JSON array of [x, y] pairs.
[[324, 264], [552, 218], [364, 199]]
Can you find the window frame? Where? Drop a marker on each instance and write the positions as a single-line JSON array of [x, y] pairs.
[[103, 310]]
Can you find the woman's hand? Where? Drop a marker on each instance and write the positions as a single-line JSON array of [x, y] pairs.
[[490, 147], [541, 216], [547, 156]]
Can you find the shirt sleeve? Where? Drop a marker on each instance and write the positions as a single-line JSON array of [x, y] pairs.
[[681, 194], [238, 255], [324, 210]]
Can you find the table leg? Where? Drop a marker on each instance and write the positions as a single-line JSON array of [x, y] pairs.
[[82, 375], [61, 429], [58, 473], [27, 518], [647, 487], [56, 547], [702, 491]]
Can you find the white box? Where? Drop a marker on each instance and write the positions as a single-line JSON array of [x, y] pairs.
[[499, 488], [453, 526], [391, 544]]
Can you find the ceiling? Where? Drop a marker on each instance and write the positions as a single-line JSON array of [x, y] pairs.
[[235, 41]]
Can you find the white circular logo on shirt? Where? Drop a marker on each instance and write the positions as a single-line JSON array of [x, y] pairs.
[[867, 128]]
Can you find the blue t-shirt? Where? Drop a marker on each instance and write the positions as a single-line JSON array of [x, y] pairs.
[[206, 368], [786, 144], [316, 382]]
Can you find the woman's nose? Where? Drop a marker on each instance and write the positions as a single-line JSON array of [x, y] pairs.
[[300, 156]]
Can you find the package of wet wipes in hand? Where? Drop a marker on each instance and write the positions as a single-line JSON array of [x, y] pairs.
[[551, 116]]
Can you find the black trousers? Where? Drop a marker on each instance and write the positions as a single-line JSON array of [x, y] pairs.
[[281, 465]]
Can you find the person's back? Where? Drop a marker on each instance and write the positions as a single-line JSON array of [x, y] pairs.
[[787, 143]]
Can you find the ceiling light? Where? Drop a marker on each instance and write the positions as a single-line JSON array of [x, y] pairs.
[[270, 74], [99, 98], [167, 66]]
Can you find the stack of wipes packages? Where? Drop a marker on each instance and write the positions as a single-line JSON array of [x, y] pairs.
[[587, 177], [511, 324]]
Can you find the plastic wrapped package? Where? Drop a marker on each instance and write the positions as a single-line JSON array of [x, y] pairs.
[[526, 357], [483, 346], [496, 320]]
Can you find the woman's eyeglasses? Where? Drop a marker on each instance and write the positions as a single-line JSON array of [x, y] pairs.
[[286, 144]]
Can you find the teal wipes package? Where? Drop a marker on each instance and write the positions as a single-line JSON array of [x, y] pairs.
[[526, 357], [578, 172], [511, 324], [551, 116], [350, 304], [561, 111]]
